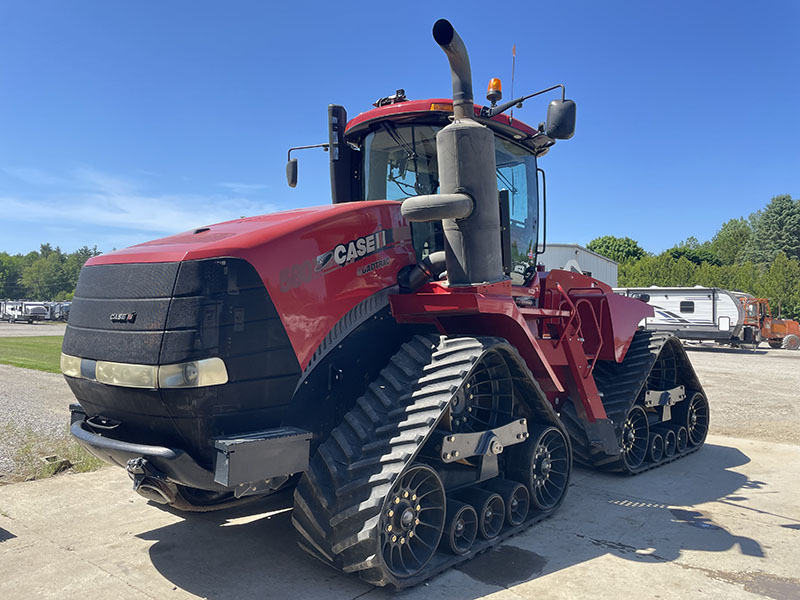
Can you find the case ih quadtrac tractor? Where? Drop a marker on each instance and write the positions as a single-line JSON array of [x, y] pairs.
[[396, 357]]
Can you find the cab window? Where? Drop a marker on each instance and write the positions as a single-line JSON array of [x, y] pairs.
[[400, 162]]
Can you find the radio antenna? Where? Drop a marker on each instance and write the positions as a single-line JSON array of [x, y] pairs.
[[513, 64]]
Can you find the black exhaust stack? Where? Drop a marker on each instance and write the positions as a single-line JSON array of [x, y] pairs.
[[456, 52], [468, 200]]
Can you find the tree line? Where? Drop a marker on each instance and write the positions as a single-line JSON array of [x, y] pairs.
[[46, 274], [759, 255]]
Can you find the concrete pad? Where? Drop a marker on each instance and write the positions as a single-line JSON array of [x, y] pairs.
[[722, 523]]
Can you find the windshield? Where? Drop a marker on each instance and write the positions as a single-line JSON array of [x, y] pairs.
[[400, 162]]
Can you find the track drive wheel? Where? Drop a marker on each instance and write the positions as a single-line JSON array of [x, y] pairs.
[[635, 437]]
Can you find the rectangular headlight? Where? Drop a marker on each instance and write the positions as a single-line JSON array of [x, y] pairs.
[[126, 374], [197, 373], [70, 365]]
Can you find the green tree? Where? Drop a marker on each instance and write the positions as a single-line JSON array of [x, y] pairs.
[[44, 277], [622, 250], [781, 284], [776, 229], [694, 251], [731, 242], [10, 273]]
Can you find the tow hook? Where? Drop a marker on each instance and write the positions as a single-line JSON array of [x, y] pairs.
[[149, 482]]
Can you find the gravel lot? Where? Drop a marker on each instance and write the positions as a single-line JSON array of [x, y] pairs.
[[30, 401], [752, 394]]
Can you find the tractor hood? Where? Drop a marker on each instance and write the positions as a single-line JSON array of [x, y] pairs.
[[232, 238]]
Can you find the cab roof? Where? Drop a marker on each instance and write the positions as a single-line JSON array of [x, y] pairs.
[[440, 109]]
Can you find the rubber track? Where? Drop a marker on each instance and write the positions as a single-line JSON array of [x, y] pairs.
[[621, 385], [338, 501]]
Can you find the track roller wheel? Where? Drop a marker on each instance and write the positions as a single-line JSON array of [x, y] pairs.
[[635, 437], [460, 528], [491, 511], [543, 464], [681, 439], [515, 496], [412, 521], [655, 450], [696, 419], [669, 443]]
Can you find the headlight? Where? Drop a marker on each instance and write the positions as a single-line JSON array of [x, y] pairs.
[[126, 375], [197, 373], [70, 365]]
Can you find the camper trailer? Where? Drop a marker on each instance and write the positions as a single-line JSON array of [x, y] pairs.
[[695, 313], [29, 312]]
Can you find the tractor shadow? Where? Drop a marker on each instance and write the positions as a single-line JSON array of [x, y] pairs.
[[651, 518]]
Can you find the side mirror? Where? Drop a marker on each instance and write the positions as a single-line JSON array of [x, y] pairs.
[[642, 297], [291, 172], [561, 119]]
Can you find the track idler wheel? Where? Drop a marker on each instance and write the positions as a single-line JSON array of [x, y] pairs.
[[681, 439], [696, 419], [670, 442], [412, 521], [655, 450], [635, 437], [543, 464], [515, 496], [460, 527], [491, 511]]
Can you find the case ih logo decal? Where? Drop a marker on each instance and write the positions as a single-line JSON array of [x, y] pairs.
[[360, 247], [345, 254], [123, 317]]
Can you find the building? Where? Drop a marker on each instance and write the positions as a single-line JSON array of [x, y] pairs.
[[572, 257]]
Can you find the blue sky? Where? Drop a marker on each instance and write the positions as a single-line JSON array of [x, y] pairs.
[[123, 122]]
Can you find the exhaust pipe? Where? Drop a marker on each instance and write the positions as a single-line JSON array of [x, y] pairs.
[[467, 202], [456, 51]]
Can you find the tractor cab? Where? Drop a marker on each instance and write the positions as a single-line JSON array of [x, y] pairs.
[[389, 153]]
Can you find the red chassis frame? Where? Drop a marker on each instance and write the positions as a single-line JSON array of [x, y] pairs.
[[579, 320]]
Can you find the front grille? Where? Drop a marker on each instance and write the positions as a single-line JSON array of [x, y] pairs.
[[184, 311]]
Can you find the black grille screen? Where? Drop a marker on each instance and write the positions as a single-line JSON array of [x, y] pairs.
[[184, 311]]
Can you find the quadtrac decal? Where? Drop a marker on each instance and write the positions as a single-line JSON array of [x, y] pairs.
[[345, 254]]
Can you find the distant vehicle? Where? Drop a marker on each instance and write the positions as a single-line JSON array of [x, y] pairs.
[[58, 311], [696, 313], [777, 332], [29, 312]]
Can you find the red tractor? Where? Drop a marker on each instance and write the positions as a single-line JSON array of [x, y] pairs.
[[396, 357]]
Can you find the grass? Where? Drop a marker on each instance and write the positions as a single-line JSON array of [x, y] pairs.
[[32, 449], [42, 353]]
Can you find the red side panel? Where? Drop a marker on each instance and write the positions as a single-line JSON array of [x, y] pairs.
[[608, 320], [316, 263]]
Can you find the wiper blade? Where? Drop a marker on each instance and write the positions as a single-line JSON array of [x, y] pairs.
[[398, 139], [505, 180]]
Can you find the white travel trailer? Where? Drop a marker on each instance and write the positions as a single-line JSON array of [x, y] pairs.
[[15, 310], [695, 313]]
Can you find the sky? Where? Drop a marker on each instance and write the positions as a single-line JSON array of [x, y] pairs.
[[122, 122]]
